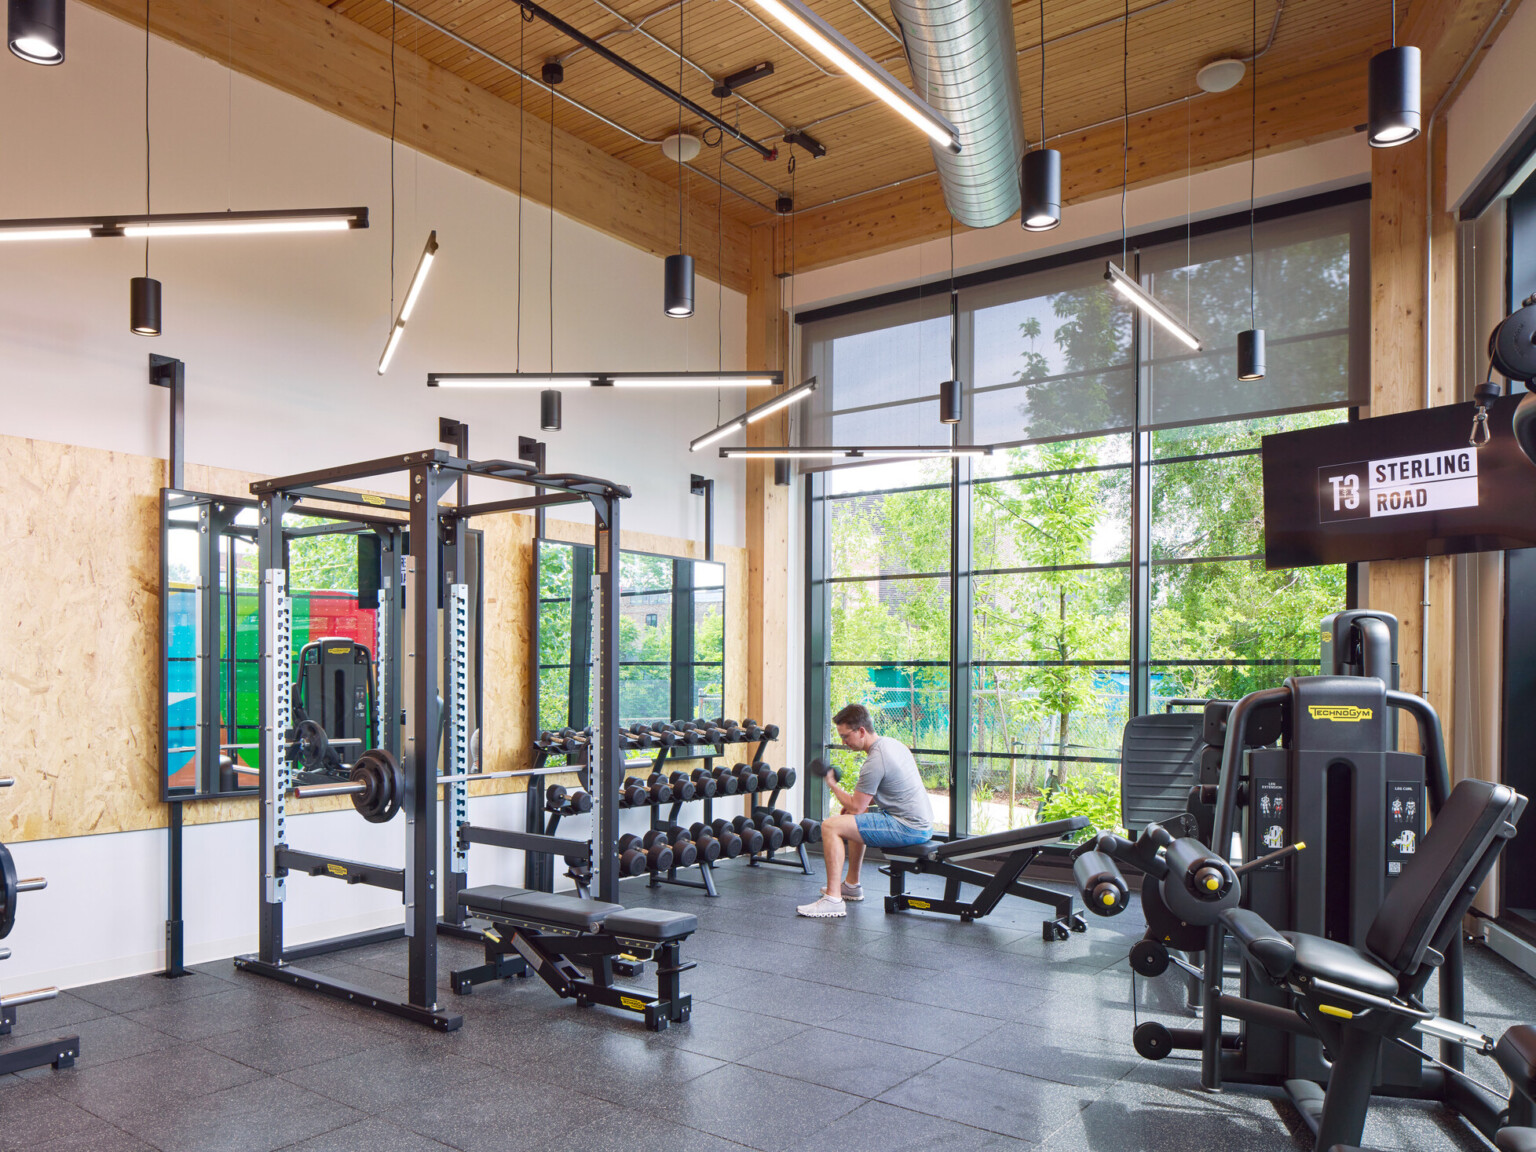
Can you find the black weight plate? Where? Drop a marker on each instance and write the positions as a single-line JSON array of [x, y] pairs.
[[312, 743], [7, 892], [385, 786]]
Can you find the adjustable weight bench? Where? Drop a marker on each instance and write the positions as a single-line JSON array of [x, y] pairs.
[[577, 947], [1018, 846]]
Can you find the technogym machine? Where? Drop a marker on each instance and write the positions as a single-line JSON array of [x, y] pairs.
[[433, 533]]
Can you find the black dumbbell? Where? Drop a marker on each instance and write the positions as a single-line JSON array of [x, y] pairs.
[[746, 779], [769, 833], [767, 778], [708, 848], [794, 835], [770, 732], [578, 802], [787, 777], [726, 783], [634, 793], [685, 854], [704, 785], [555, 797], [812, 829], [751, 839], [661, 788], [682, 786], [820, 769], [665, 736], [650, 853]]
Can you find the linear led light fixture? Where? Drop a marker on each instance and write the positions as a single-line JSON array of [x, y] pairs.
[[752, 415], [185, 224], [418, 279], [789, 453], [843, 54], [1142, 299], [605, 380]]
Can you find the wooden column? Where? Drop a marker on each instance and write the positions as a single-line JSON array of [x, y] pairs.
[[768, 505], [1404, 299]]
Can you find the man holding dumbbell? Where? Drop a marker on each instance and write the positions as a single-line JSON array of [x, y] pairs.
[[890, 776]]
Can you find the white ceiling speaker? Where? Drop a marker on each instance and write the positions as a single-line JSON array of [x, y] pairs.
[[1220, 75], [685, 144]]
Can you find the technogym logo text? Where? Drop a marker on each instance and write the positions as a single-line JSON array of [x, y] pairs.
[[1398, 486], [1342, 713]]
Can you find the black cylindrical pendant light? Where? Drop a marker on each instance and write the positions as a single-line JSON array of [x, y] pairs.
[[1394, 99], [951, 402], [1250, 354], [1040, 190], [36, 31], [679, 285], [144, 306], [549, 410]]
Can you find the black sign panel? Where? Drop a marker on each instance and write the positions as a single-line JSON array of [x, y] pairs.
[[1397, 487]]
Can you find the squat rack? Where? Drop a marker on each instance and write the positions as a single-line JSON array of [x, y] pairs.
[[433, 574]]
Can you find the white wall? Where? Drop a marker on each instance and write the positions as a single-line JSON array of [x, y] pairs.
[[1493, 108], [281, 336]]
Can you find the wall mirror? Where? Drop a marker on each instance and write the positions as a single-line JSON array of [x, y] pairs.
[[345, 612], [671, 636]]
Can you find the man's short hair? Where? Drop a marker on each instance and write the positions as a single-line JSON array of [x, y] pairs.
[[854, 716]]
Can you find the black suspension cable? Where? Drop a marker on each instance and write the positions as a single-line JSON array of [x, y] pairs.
[[1253, 164], [1125, 147], [146, 134]]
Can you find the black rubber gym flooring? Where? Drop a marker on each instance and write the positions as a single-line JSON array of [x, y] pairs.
[[870, 1033]]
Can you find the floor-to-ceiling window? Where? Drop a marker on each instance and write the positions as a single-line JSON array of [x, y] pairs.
[[989, 611]]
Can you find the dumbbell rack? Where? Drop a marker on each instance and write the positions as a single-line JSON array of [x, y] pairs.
[[706, 881], [60, 1052]]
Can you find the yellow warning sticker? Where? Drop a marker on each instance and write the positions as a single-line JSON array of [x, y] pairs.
[[369, 498], [632, 1004], [336, 869], [918, 904], [338, 651], [1343, 713]]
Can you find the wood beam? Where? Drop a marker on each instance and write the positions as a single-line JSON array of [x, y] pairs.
[[768, 504], [303, 48], [1304, 110]]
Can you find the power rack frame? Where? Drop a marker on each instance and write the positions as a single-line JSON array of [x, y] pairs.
[[433, 572]]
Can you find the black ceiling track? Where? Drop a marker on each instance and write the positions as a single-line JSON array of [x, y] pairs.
[[645, 77]]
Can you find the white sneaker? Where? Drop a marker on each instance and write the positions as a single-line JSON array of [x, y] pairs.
[[824, 909], [852, 892]]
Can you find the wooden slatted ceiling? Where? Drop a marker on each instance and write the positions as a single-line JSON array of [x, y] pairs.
[[869, 147]]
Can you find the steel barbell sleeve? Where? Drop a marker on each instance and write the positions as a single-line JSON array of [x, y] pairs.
[[17, 999]]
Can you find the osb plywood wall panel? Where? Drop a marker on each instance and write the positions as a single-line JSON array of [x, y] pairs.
[[79, 671]]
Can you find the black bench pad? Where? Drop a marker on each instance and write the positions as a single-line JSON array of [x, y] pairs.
[[651, 924], [487, 897], [566, 911], [995, 843]]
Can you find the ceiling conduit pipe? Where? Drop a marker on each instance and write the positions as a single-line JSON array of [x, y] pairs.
[[963, 61]]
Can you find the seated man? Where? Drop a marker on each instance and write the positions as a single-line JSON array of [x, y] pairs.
[[890, 776]]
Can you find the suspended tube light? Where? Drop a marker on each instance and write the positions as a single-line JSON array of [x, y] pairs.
[[842, 54], [144, 306], [164, 224], [752, 415], [791, 453], [418, 280], [1394, 97], [605, 380], [1142, 299]]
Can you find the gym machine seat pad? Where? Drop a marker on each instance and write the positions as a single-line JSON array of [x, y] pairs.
[[994, 843], [1515, 1055], [566, 911], [488, 897], [656, 924], [1331, 960]]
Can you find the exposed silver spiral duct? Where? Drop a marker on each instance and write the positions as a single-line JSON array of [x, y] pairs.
[[963, 62]]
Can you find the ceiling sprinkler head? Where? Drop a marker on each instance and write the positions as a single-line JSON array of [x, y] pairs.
[[1220, 75], [688, 145]]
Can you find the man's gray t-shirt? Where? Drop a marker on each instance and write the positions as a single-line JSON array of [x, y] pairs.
[[890, 775]]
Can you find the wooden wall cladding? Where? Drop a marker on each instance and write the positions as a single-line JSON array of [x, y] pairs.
[[79, 659]]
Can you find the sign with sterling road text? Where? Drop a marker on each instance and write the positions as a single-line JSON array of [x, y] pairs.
[[1395, 487], [1402, 485]]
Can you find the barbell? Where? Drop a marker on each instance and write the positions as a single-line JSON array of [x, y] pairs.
[[10, 886], [377, 786]]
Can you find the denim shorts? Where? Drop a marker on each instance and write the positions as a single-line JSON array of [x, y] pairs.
[[879, 830]]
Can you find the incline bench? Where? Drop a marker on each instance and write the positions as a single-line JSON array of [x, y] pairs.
[[558, 936], [1018, 846]]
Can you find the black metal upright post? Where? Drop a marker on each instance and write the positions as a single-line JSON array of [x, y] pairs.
[[426, 486], [167, 372], [960, 600], [817, 630], [699, 486], [454, 532], [608, 765], [273, 720]]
